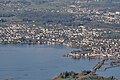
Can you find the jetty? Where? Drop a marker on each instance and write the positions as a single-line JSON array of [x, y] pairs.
[[98, 66]]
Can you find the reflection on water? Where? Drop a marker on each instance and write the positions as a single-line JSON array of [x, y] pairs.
[[38, 62]]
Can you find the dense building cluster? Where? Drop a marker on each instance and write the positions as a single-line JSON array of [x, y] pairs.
[[88, 39], [99, 11], [93, 14]]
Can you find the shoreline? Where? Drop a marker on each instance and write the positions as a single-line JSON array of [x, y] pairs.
[[84, 75], [77, 54], [48, 45], [81, 76]]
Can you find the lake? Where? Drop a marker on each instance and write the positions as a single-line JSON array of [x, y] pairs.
[[41, 62]]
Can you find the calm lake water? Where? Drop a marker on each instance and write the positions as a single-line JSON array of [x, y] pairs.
[[41, 62]]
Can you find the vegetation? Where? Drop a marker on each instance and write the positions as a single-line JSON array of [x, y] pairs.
[[96, 77], [44, 12], [84, 75]]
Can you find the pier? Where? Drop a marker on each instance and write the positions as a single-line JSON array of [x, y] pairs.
[[98, 66]]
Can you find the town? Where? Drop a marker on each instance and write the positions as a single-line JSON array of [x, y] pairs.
[[90, 27], [91, 40], [101, 13]]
